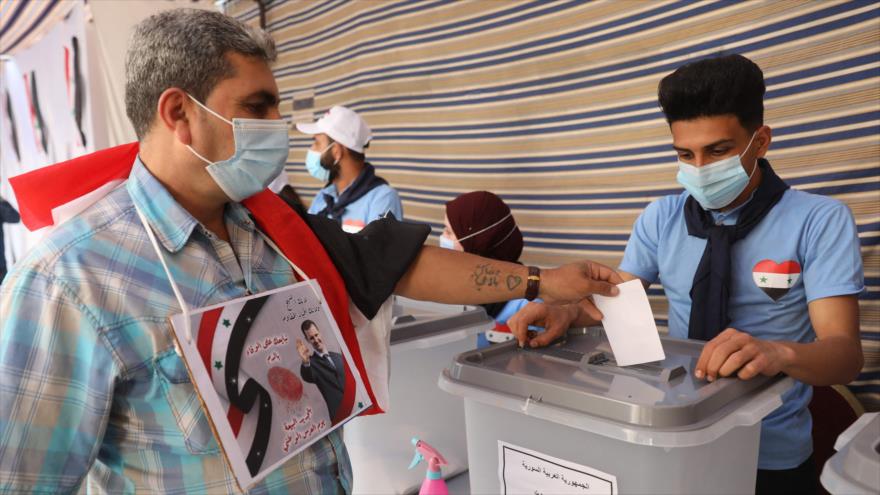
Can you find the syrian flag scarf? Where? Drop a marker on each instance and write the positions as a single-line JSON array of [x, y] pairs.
[[49, 195], [711, 288]]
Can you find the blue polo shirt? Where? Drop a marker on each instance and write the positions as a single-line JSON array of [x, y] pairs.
[[375, 204], [806, 248]]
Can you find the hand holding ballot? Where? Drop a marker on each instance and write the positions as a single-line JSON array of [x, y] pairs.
[[627, 318], [556, 319], [573, 282]]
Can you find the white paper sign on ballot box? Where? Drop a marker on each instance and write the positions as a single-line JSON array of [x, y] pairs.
[[523, 471], [265, 402]]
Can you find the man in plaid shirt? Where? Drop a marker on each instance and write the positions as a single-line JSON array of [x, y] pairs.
[[92, 392]]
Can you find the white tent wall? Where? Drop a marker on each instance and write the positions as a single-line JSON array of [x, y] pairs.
[[14, 111], [102, 28], [40, 85], [112, 22]]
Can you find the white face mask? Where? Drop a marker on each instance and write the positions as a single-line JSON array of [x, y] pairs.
[[313, 164], [718, 184], [261, 148], [447, 243]]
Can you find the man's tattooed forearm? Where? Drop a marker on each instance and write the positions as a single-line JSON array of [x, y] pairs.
[[485, 275]]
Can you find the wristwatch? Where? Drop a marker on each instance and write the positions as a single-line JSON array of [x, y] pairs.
[[534, 283]]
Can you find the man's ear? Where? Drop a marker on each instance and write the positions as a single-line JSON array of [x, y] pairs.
[[338, 152], [763, 139], [174, 112]]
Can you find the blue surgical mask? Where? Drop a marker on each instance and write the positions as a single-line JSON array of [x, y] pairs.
[[313, 164], [447, 243], [716, 185], [261, 149]]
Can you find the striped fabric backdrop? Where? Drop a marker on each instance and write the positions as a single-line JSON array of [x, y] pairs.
[[24, 22], [552, 105]]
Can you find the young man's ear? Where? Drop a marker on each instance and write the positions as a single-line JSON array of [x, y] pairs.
[[763, 138], [173, 112]]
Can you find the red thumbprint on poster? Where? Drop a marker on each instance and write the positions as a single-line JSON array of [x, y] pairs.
[[285, 383]]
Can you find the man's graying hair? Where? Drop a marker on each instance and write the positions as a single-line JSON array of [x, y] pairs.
[[184, 48]]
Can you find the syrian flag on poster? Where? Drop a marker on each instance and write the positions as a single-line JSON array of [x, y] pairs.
[[776, 279], [248, 370], [213, 342]]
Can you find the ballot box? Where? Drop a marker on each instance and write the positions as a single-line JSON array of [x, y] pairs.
[[855, 468], [567, 419], [425, 337]]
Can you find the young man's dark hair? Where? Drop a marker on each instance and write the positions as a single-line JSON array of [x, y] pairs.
[[725, 85]]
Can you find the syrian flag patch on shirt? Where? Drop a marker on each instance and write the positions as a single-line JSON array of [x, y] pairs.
[[776, 279]]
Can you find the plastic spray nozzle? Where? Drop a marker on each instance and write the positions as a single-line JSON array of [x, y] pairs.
[[425, 451], [416, 460]]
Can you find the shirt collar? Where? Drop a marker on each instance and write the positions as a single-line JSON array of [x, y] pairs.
[[240, 216], [331, 191], [171, 222]]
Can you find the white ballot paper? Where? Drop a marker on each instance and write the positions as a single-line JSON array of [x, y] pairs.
[[629, 325]]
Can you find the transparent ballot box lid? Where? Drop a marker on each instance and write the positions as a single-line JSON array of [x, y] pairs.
[[577, 377], [420, 322]]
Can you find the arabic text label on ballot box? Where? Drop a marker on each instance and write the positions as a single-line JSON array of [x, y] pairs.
[[425, 337], [855, 468], [650, 428]]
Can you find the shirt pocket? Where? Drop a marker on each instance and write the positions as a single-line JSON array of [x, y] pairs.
[[185, 404]]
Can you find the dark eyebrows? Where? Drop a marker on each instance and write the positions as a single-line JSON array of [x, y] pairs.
[[719, 143], [263, 97], [708, 146]]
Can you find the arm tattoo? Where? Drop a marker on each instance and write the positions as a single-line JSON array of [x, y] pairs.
[[513, 282], [485, 276]]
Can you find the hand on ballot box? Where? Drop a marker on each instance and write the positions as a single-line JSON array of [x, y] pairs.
[[733, 352], [555, 319]]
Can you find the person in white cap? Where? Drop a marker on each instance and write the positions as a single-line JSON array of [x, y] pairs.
[[354, 195]]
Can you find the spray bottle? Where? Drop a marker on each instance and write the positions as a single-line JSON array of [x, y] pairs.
[[433, 484]]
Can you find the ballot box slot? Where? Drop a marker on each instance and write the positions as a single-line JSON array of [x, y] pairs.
[[604, 361]]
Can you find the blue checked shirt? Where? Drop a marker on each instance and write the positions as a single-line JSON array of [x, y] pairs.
[[91, 390]]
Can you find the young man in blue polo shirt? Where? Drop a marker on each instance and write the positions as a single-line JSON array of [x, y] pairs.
[[354, 195], [767, 274]]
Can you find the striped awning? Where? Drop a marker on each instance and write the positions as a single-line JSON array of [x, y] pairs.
[[24, 22]]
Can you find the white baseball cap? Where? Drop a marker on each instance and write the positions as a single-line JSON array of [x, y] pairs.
[[343, 126]]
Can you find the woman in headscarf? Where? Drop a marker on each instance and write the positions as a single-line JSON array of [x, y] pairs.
[[481, 223]]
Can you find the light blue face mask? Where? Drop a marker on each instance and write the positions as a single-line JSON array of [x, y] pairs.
[[261, 148], [313, 164], [716, 185], [447, 243]]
